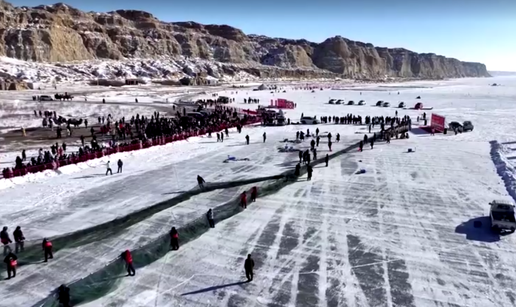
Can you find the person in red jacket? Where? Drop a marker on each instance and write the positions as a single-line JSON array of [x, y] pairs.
[[243, 200], [47, 249], [254, 193], [174, 239], [128, 258]]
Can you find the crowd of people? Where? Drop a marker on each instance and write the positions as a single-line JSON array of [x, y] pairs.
[[137, 129]]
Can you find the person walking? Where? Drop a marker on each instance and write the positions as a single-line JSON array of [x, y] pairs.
[[200, 182], [11, 262], [19, 239], [108, 168], [248, 267], [4, 238], [128, 259], [47, 249]]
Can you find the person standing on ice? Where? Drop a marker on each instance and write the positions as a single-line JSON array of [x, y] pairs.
[[326, 159], [297, 171], [47, 249], [128, 259], [361, 146], [372, 143], [317, 139], [337, 138], [309, 171], [227, 131], [264, 137], [4, 238], [243, 200], [317, 132], [329, 145], [248, 267], [218, 137], [247, 139], [120, 164], [200, 182], [108, 168], [211, 221], [222, 137], [174, 239], [11, 261], [18, 239]]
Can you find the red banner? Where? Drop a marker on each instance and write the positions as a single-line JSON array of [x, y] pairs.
[[283, 104], [437, 122]]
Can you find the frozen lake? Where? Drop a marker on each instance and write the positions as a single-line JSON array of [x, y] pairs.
[[401, 234]]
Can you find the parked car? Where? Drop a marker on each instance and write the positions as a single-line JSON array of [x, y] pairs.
[[455, 126], [340, 101], [467, 126], [332, 101], [502, 216], [361, 103], [306, 120], [379, 103], [351, 102], [45, 98], [386, 104], [401, 104]]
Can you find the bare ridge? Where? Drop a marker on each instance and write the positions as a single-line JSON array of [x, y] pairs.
[[61, 33]]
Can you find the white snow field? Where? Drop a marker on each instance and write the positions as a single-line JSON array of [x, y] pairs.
[[401, 234], [398, 235]]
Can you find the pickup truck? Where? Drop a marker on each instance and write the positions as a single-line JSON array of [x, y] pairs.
[[502, 216]]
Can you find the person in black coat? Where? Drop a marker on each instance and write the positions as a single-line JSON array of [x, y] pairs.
[[47, 249], [309, 171], [249, 266], [4, 238], [211, 221], [297, 172], [326, 159], [18, 239], [63, 296], [200, 181], [120, 164], [11, 261]]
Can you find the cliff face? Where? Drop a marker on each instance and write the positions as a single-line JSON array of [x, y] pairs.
[[60, 33]]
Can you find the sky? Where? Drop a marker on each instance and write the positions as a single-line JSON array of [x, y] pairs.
[[469, 30]]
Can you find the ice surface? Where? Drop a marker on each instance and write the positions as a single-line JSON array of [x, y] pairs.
[[401, 234]]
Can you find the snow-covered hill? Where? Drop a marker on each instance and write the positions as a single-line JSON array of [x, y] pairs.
[[159, 68]]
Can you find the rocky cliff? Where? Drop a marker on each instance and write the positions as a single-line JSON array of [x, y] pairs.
[[60, 33]]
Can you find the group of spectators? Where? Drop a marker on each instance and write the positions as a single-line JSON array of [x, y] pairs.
[[137, 129]]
